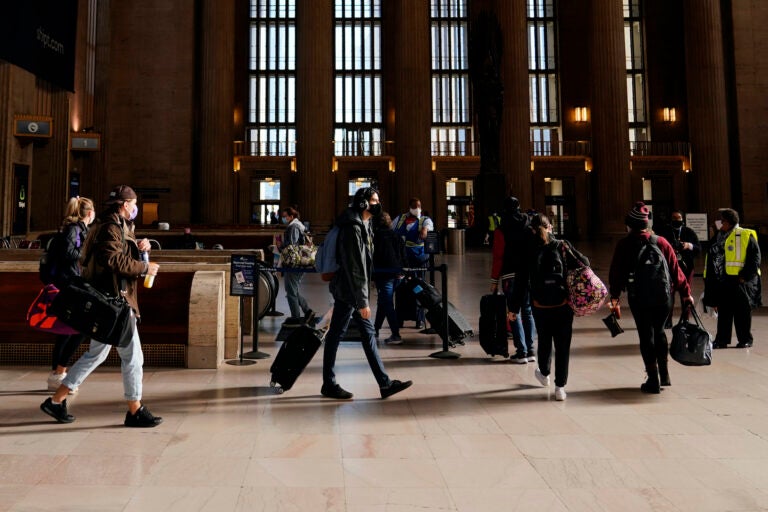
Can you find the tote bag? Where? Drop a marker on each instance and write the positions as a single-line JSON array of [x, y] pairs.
[[691, 343], [39, 318], [586, 292]]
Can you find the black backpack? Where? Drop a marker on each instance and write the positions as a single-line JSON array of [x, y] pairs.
[[650, 283], [548, 285], [50, 261]]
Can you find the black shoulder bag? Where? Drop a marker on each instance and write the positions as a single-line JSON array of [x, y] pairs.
[[93, 313]]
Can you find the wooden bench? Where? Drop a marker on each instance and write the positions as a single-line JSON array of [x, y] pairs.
[[188, 317]]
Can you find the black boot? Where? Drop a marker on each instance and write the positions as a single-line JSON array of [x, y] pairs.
[[664, 374], [652, 384]]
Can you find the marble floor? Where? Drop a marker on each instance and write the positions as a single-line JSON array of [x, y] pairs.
[[472, 434]]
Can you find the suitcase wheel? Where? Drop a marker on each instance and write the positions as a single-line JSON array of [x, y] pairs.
[[277, 387]]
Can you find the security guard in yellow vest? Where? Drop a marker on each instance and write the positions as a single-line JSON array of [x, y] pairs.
[[732, 278], [493, 222]]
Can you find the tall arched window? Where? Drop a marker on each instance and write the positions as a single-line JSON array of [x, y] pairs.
[[358, 121], [271, 122], [451, 106], [543, 76], [633, 44]]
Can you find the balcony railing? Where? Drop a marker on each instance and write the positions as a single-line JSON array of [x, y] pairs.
[[648, 148], [454, 148], [561, 148]]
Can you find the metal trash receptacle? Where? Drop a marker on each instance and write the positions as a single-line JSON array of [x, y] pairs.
[[455, 240]]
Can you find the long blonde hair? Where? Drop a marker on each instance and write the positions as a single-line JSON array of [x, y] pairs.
[[77, 209]]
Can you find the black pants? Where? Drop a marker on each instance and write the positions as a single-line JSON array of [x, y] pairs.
[[733, 310], [65, 348], [650, 328], [555, 326]]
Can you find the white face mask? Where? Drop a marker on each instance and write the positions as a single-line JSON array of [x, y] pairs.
[[416, 212], [719, 224], [628, 229]]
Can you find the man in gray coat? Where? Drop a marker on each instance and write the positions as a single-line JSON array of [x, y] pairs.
[[349, 287]]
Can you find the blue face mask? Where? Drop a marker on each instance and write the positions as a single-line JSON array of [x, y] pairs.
[[284, 220]]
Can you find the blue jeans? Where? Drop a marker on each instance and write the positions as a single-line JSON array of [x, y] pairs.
[[131, 365], [342, 314], [523, 328], [297, 304], [385, 304]]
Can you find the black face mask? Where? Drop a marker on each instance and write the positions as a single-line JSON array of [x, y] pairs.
[[374, 209], [677, 224]]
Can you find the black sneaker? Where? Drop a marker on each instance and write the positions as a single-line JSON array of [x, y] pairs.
[[744, 345], [394, 387], [57, 411], [142, 419], [519, 358], [335, 391]]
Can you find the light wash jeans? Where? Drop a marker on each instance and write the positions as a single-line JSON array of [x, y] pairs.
[[297, 304], [131, 365]]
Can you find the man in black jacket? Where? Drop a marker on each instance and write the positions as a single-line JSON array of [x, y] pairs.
[[349, 287], [686, 245]]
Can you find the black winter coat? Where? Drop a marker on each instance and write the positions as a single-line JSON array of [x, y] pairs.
[[389, 253]]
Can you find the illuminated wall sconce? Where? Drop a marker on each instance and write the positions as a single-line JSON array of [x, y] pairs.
[[293, 165], [580, 114], [434, 166], [334, 164], [392, 165], [236, 165], [669, 115], [533, 165], [588, 165]]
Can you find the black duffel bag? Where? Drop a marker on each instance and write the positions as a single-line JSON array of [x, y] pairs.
[[94, 314], [691, 343]]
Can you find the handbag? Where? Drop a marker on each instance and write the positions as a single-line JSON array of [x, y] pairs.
[[586, 292], [612, 323], [39, 318], [294, 256], [691, 343], [93, 313]]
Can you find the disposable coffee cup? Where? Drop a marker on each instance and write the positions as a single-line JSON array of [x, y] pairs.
[[149, 280]]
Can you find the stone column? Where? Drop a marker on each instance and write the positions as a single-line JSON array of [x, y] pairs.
[[609, 118], [48, 178], [514, 153], [707, 107], [214, 192], [314, 191], [412, 106]]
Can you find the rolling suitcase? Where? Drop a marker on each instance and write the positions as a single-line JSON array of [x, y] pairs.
[[458, 326], [405, 304], [493, 325], [295, 354], [432, 300]]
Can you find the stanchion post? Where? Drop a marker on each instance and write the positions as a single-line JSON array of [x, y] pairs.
[[255, 354], [240, 361], [445, 332]]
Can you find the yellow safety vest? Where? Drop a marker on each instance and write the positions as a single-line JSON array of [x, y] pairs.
[[736, 250], [493, 222]]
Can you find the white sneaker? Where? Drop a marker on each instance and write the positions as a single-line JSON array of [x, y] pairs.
[[543, 379], [560, 393], [54, 380], [531, 357]]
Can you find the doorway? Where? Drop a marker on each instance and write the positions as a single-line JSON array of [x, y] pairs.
[[657, 195], [560, 205], [20, 199]]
